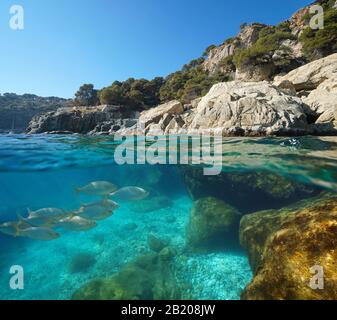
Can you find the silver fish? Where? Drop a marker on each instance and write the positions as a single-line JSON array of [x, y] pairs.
[[38, 221], [35, 233], [52, 213], [95, 211], [10, 229], [77, 224], [130, 194], [98, 188], [13, 228], [109, 204]]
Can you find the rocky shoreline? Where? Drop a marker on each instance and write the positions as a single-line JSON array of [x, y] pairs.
[[302, 102]]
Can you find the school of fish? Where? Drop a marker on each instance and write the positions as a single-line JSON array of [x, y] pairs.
[[41, 224]]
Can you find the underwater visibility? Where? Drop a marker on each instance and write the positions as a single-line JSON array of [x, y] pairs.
[[83, 226]]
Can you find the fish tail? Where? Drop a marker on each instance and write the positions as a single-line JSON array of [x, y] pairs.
[[76, 189], [16, 228]]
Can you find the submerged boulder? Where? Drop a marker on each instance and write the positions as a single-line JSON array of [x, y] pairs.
[[248, 191], [210, 219], [149, 277], [284, 245], [81, 262], [155, 243]]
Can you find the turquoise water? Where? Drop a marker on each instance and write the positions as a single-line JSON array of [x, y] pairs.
[[44, 171]]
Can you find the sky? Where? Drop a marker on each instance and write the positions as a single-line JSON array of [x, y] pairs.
[[66, 43]]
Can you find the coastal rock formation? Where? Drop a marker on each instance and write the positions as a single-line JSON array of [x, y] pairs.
[[80, 120], [238, 108], [149, 277], [16, 111], [210, 219], [316, 83], [252, 108], [301, 102], [284, 247], [245, 39], [161, 112]]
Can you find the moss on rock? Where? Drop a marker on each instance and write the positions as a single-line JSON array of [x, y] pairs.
[[283, 245], [149, 277]]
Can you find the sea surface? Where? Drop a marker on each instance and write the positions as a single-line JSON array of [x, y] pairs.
[[44, 171]]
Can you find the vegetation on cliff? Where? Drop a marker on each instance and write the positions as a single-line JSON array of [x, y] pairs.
[[321, 42], [9, 101]]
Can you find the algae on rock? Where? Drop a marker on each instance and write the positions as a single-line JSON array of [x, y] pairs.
[[149, 277], [283, 245]]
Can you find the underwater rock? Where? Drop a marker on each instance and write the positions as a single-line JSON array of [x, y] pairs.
[[247, 191], [156, 244], [130, 226], [210, 218], [152, 204], [81, 262], [149, 277], [284, 245]]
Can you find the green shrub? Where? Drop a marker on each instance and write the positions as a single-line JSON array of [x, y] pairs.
[[208, 50], [267, 44], [189, 84], [322, 40], [132, 93], [228, 63]]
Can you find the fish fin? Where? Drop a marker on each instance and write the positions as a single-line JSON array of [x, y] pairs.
[[20, 218]]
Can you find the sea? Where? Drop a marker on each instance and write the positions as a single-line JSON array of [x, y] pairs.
[[46, 171]]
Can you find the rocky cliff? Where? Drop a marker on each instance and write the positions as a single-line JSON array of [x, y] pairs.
[[259, 52], [83, 120], [301, 102], [16, 111]]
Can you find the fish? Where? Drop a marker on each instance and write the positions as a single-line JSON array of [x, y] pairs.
[[98, 188], [111, 205], [38, 221], [76, 223], [37, 233], [13, 228], [10, 229], [96, 210], [52, 213], [130, 194]]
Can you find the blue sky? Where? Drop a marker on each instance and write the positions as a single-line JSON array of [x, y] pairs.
[[66, 43]]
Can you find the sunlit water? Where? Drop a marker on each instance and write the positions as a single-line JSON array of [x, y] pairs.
[[44, 171]]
